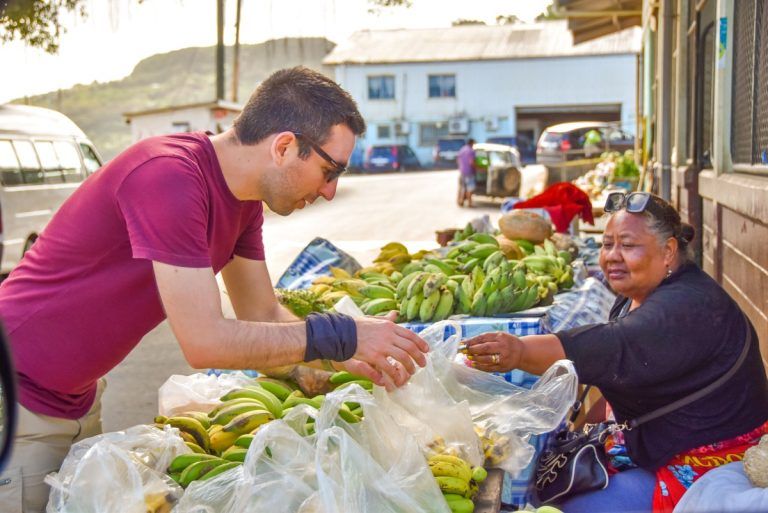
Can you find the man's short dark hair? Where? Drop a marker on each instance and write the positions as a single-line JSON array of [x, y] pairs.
[[298, 100], [470, 141]]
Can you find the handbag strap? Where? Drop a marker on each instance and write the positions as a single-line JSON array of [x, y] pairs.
[[699, 393]]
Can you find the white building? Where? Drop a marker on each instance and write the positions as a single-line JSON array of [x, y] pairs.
[[415, 86], [213, 116]]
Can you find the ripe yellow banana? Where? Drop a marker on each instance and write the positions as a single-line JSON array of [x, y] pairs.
[[193, 428], [247, 422], [195, 448], [227, 414], [465, 470], [455, 485], [323, 280], [222, 440], [200, 416], [338, 272], [449, 469]]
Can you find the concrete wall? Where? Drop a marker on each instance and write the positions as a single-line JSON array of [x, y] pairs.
[[491, 89]]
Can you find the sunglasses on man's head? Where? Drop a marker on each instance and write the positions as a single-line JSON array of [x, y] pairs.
[[634, 203], [337, 170]]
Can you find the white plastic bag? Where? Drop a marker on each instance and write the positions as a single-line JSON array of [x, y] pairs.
[[121, 472], [509, 414], [197, 392]]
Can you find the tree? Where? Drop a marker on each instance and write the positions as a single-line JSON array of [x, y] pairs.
[[36, 22], [458, 23], [507, 19], [550, 13]]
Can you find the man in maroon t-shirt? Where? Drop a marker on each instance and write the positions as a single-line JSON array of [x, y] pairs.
[[141, 241]]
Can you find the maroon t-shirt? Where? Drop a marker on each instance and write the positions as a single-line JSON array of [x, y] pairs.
[[85, 294]]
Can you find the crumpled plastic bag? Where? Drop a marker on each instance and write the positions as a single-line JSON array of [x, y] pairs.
[[121, 472], [455, 401], [375, 466], [197, 392]]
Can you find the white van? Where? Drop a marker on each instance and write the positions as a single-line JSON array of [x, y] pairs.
[[44, 157]]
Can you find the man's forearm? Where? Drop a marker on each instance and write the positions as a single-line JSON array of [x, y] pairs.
[[250, 345]]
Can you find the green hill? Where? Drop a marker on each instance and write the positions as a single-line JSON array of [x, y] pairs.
[[174, 78]]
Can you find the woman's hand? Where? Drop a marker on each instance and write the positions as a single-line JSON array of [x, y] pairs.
[[495, 352]]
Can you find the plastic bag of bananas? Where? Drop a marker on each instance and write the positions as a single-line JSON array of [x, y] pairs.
[[120, 471]]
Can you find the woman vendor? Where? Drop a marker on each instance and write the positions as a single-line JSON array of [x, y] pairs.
[[672, 331]]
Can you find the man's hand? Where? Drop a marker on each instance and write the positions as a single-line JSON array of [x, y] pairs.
[[386, 352]]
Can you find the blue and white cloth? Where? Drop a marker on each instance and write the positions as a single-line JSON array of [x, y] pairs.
[[316, 260]]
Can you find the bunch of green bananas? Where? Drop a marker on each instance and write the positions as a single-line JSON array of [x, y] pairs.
[[464, 234], [457, 479], [301, 302], [186, 468]]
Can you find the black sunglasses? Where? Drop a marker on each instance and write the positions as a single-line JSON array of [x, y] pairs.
[[634, 203], [337, 170]]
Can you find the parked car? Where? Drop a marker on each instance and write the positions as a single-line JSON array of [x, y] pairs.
[[445, 151], [44, 156], [563, 142], [498, 170], [522, 142], [390, 157]]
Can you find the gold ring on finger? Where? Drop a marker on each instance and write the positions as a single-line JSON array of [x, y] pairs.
[[495, 358]]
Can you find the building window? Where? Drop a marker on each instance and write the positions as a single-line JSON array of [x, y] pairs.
[[429, 133], [381, 87], [749, 119], [383, 131], [442, 86], [179, 127]]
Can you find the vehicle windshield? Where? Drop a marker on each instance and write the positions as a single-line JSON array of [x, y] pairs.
[[382, 151], [450, 144]]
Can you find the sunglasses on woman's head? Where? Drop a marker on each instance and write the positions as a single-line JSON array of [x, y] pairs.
[[337, 170], [634, 203]]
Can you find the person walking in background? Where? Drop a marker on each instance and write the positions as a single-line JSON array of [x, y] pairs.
[[467, 168]]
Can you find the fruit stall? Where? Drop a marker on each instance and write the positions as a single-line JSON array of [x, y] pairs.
[[305, 440]]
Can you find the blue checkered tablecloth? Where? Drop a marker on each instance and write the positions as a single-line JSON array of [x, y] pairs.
[[515, 491]]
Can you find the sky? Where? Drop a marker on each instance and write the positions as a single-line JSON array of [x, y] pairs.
[[117, 34]]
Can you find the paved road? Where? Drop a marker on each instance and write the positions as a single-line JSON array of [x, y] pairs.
[[368, 211]]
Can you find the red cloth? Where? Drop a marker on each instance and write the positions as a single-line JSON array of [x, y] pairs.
[[674, 478], [563, 201]]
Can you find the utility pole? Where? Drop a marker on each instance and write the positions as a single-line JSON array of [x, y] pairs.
[[236, 58], [220, 49]]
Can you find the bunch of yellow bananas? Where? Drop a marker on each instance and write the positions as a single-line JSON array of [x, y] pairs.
[[457, 479], [496, 447]]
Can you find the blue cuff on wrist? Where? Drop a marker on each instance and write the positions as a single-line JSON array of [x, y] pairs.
[[330, 337]]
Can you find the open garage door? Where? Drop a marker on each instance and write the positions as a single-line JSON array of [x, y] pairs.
[[532, 120]]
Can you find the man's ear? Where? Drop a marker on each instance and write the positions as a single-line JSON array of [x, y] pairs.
[[281, 146]]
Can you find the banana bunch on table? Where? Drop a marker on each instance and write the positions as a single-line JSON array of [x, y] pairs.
[[457, 479]]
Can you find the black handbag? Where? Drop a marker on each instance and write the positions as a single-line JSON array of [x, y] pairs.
[[575, 462]]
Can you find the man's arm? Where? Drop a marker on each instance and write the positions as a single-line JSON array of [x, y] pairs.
[[250, 290], [193, 307]]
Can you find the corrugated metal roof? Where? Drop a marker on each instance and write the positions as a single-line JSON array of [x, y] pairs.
[[216, 104], [476, 42]]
